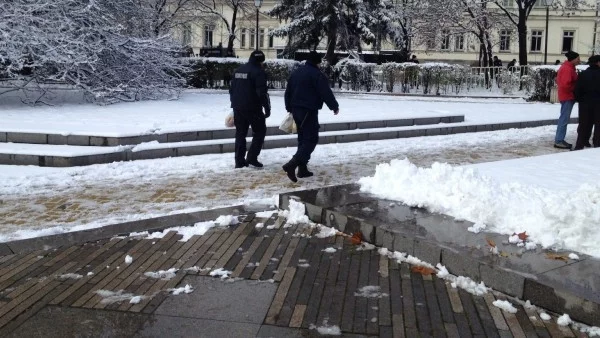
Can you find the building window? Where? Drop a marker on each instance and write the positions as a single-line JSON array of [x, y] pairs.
[[459, 42], [505, 40], [243, 38], [536, 40], [208, 35], [445, 40], [187, 35], [261, 38], [568, 38], [431, 43], [507, 3], [271, 39], [252, 37]]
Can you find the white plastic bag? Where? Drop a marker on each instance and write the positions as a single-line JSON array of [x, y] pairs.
[[288, 125], [229, 122]]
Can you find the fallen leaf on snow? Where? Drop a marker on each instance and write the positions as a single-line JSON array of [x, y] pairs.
[[523, 236], [357, 238], [557, 257], [490, 242]]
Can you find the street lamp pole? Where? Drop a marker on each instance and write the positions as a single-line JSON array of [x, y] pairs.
[[547, 3], [257, 3]]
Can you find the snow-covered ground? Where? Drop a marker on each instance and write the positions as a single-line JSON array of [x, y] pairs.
[[205, 110], [555, 198]]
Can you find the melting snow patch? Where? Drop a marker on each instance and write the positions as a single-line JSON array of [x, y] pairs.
[[184, 289], [90, 273], [196, 269], [477, 228], [187, 232], [128, 259], [573, 256], [220, 273], [304, 265], [364, 246], [330, 250], [325, 232], [564, 320], [370, 291], [265, 214], [109, 297], [162, 274], [470, 286], [70, 276], [327, 330], [442, 271], [505, 305], [259, 225], [296, 214], [545, 316], [135, 300]]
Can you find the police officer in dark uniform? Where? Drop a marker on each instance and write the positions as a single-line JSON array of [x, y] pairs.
[[248, 95], [306, 91], [587, 93]]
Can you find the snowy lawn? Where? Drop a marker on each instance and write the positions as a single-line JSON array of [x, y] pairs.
[[555, 198], [205, 110]]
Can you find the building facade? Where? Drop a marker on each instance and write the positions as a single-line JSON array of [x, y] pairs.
[[568, 29]]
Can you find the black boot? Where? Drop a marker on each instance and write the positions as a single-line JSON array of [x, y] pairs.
[[290, 169], [254, 163], [303, 171]]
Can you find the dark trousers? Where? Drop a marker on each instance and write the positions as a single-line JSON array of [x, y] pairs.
[[589, 118], [244, 119], [307, 123]]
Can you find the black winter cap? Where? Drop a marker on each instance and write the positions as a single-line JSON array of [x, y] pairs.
[[314, 57], [257, 56], [571, 55], [594, 59]]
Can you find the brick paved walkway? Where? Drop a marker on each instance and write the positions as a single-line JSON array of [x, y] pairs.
[[103, 199], [314, 287]]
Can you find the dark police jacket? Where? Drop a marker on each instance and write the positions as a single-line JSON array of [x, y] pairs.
[[248, 89], [308, 88], [587, 88]]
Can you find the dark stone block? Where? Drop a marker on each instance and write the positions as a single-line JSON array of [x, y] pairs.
[[314, 213], [57, 139], [198, 150], [168, 326], [412, 133], [458, 130], [386, 135], [98, 141], [25, 159], [433, 131], [427, 251], [5, 250], [334, 196], [336, 127], [460, 263], [78, 140], [427, 120], [446, 230], [509, 282], [154, 153], [484, 127], [2, 137], [228, 147], [182, 137], [34, 138], [400, 123], [370, 124], [583, 280], [404, 243], [457, 119], [203, 135], [351, 138]]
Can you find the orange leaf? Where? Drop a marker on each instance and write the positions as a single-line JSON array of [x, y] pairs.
[[557, 257], [357, 238], [422, 270], [523, 236], [491, 242]]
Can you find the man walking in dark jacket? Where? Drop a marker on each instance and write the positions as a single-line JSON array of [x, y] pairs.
[[248, 95], [587, 93], [307, 89]]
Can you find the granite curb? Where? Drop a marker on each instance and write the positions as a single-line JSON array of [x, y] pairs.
[[228, 146], [562, 287]]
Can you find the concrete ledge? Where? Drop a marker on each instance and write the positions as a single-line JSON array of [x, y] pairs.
[[228, 145], [109, 231], [84, 140]]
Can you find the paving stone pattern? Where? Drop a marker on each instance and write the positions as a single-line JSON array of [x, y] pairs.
[[303, 288]]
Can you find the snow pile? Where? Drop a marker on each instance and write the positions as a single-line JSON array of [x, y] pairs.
[[370, 291], [477, 228], [505, 305], [109, 297], [296, 214], [330, 250], [545, 316], [162, 274], [564, 320], [221, 273], [135, 300], [325, 232], [184, 289], [559, 219], [470, 286], [187, 232], [442, 271], [128, 259], [573, 256]]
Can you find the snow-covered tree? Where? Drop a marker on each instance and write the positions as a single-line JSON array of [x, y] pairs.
[[213, 9], [393, 21], [343, 23], [106, 48]]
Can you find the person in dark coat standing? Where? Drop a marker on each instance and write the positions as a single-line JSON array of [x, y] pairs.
[[306, 91], [587, 93], [249, 97]]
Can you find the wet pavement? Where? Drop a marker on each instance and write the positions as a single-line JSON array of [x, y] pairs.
[[284, 282], [102, 195]]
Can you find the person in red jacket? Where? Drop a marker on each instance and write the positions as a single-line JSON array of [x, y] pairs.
[[566, 79]]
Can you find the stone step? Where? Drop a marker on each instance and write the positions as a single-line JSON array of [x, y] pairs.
[[205, 135], [71, 156]]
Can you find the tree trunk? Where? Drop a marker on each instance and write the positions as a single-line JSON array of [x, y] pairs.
[[331, 42], [232, 32], [522, 31]]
